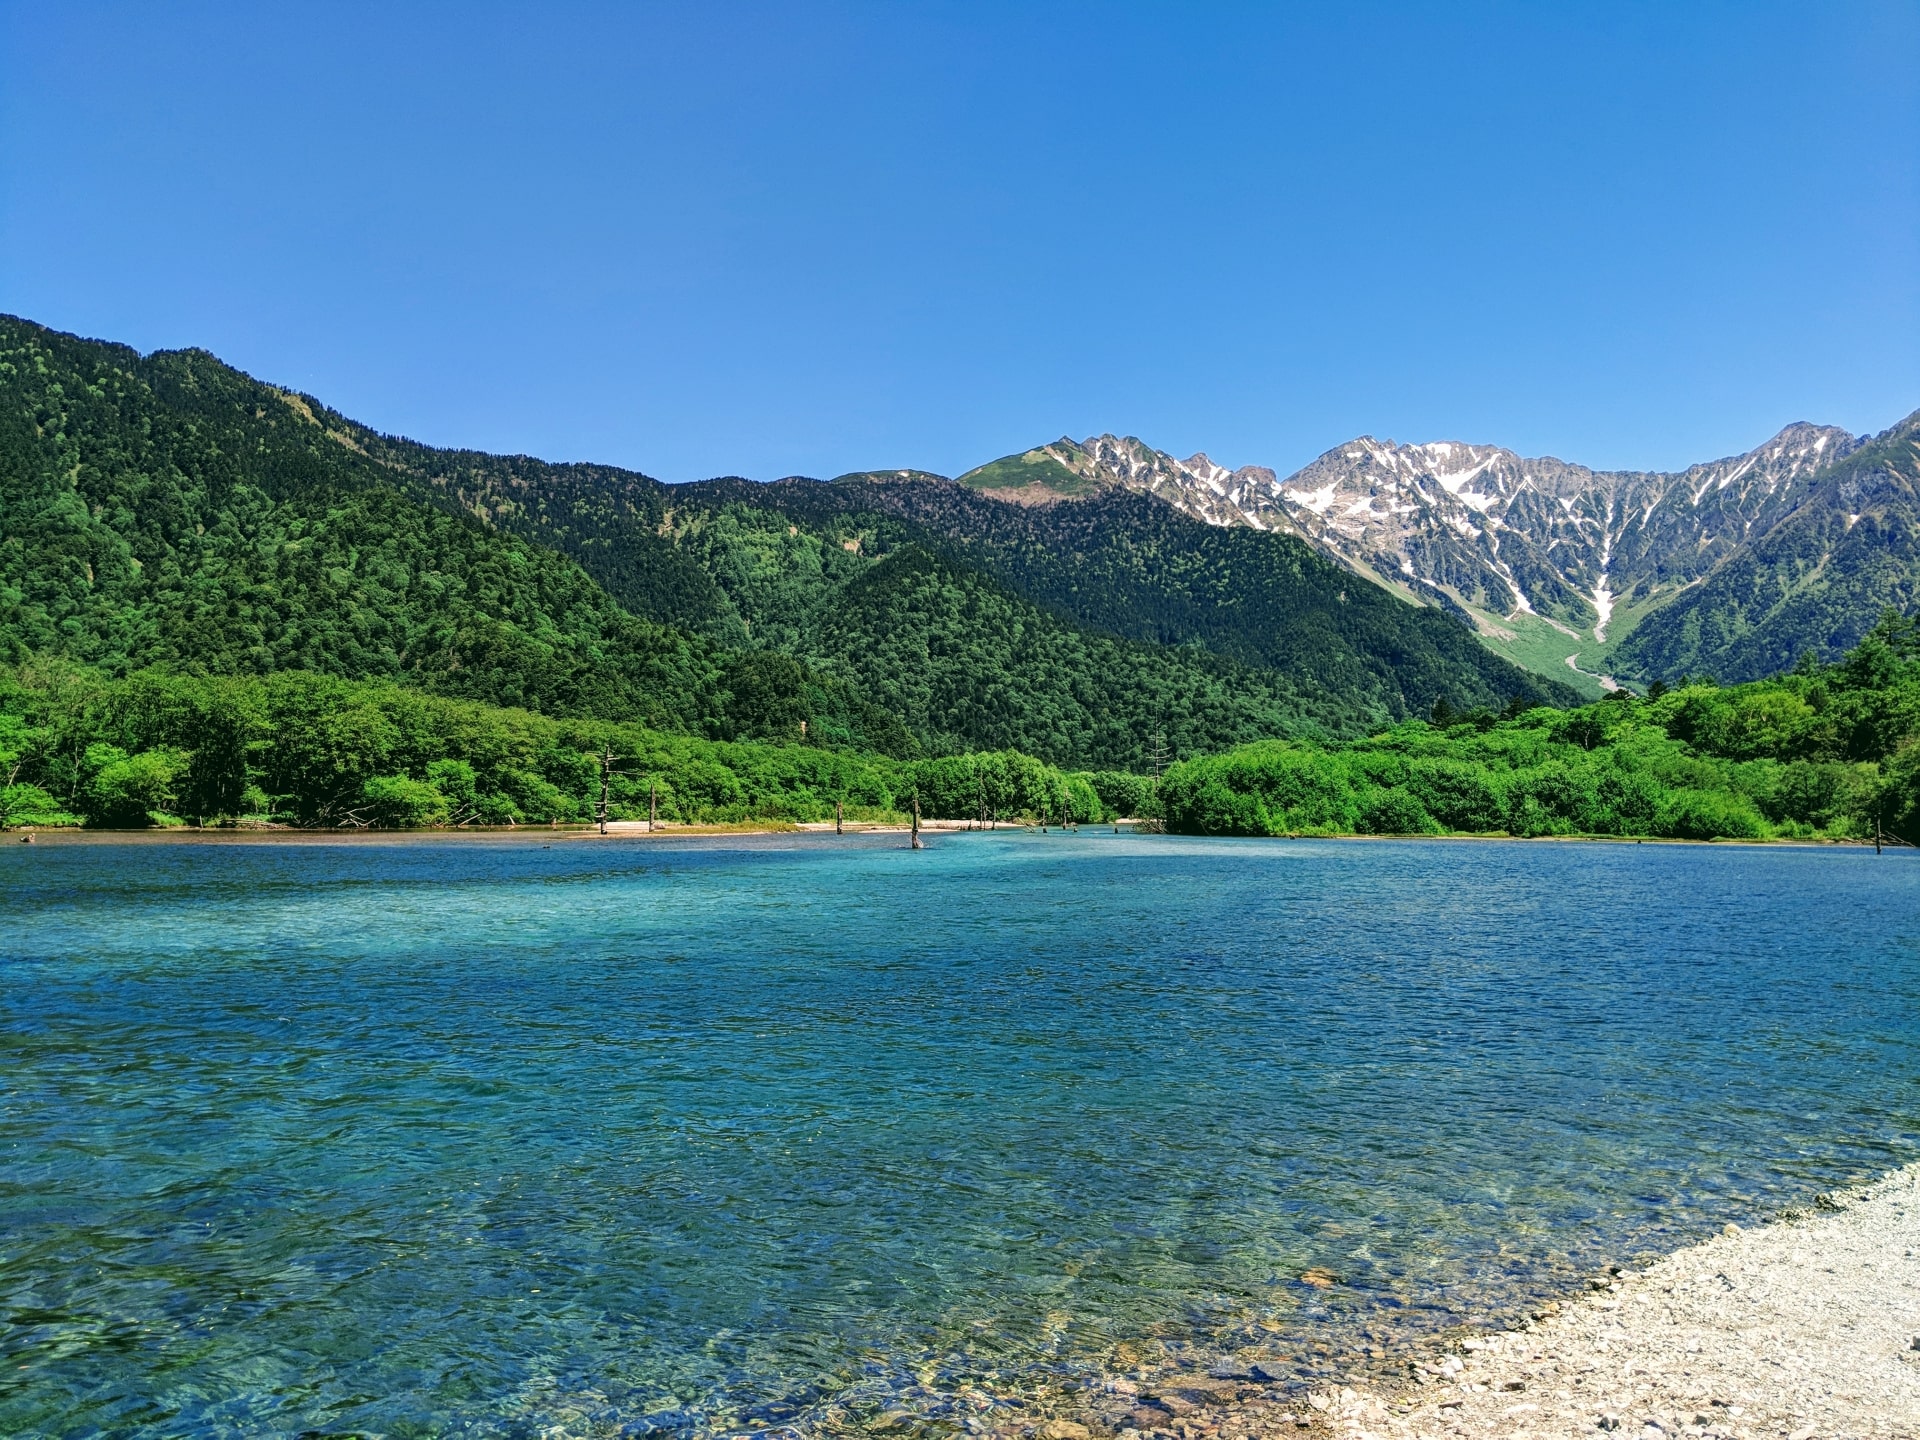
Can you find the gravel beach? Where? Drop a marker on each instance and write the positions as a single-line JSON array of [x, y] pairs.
[[1808, 1328]]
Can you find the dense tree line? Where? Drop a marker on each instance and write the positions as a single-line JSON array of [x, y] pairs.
[[295, 748], [1826, 751]]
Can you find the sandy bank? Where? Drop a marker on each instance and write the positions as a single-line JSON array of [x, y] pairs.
[[1808, 1328]]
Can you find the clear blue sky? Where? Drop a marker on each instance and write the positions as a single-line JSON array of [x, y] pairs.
[[810, 238]]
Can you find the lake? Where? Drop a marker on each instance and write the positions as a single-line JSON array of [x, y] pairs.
[[677, 1137]]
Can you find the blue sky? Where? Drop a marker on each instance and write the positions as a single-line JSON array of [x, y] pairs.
[[767, 240]]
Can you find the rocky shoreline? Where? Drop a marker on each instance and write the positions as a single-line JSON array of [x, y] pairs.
[[1807, 1328], [1804, 1329]]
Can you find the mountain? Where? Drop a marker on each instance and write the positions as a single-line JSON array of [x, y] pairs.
[[781, 560], [763, 564], [1555, 564], [1067, 469], [1812, 581], [168, 510], [1130, 565]]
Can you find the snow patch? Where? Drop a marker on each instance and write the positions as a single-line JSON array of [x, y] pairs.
[[1452, 482], [1315, 500], [1726, 480], [1603, 605]]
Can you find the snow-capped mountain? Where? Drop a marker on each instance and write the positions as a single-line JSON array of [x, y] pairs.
[[1472, 526]]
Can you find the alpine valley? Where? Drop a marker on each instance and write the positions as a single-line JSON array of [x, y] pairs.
[[1097, 605], [169, 511]]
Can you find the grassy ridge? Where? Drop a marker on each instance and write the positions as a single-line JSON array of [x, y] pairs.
[[1824, 752]]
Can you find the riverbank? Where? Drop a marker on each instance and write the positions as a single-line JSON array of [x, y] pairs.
[[1807, 1328], [545, 834], [630, 829]]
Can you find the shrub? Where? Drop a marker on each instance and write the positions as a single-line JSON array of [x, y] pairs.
[[1123, 795], [1896, 804], [1708, 815], [30, 805], [455, 780], [133, 789], [1550, 799], [396, 801], [1459, 795], [1395, 812], [1625, 801]]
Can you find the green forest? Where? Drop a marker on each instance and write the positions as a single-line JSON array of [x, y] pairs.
[[1824, 752], [295, 748]]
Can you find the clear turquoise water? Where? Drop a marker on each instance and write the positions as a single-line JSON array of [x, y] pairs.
[[661, 1138]]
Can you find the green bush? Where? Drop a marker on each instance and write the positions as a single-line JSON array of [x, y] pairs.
[[1709, 815], [1459, 795], [1395, 812], [1123, 795], [399, 803], [1895, 803], [1815, 753], [30, 805], [133, 790]]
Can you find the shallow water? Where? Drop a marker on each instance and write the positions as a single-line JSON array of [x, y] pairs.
[[641, 1137]]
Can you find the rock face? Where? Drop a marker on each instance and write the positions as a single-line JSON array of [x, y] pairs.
[[1473, 526], [1506, 535], [1812, 580]]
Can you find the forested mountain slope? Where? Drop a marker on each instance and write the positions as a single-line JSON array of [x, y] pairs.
[[764, 565], [613, 523], [1129, 565], [966, 663], [963, 658], [169, 510]]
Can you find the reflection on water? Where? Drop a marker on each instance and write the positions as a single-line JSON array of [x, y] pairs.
[[641, 1137]]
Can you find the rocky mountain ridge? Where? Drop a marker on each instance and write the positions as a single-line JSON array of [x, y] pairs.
[[1480, 525], [1547, 558]]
